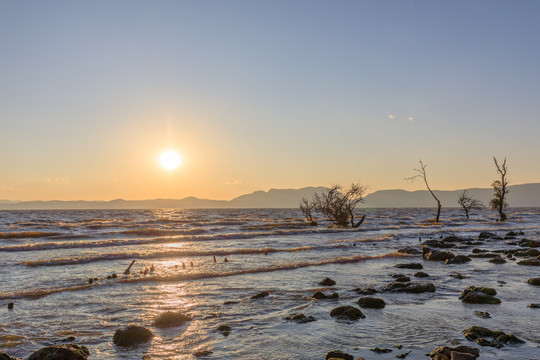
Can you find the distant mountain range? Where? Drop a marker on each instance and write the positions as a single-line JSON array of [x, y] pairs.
[[526, 195]]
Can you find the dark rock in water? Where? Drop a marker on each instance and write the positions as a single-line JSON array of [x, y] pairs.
[[534, 306], [534, 281], [497, 260], [338, 354], [347, 313], [437, 244], [459, 259], [511, 234], [202, 353], [10, 306], [486, 235], [414, 288], [421, 274], [438, 255], [260, 295], [479, 295], [530, 262], [403, 355], [224, 329], [409, 250], [379, 350], [416, 266], [530, 252], [455, 353], [91, 280], [169, 318], [301, 318], [400, 278], [482, 314], [371, 302], [132, 335], [61, 352], [365, 291], [458, 276], [498, 338], [231, 302], [484, 255], [4, 356], [327, 282], [114, 276], [477, 251], [69, 339], [321, 296]]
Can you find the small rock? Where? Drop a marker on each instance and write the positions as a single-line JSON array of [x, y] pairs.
[[4, 356], [321, 296], [224, 329], [416, 266], [498, 338], [91, 281], [414, 288], [454, 353], [10, 306], [202, 353], [534, 306], [169, 318], [486, 235], [459, 259], [338, 354], [327, 282], [132, 335], [379, 350], [458, 276], [438, 255], [404, 355], [479, 295], [231, 302], [61, 352], [301, 318], [401, 278], [365, 291], [347, 313], [530, 262], [409, 250], [482, 314], [534, 281], [260, 295], [421, 274], [114, 276], [497, 260], [371, 302]]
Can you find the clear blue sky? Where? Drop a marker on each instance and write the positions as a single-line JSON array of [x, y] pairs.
[[262, 94]]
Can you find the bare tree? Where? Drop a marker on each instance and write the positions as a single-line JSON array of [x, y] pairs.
[[498, 203], [307, 208], [336, 204], [468, 203], [421, 174]]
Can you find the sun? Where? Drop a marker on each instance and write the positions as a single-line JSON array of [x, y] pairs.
[[170, 159]]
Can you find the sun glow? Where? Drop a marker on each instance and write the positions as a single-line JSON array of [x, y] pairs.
[[170, 159]]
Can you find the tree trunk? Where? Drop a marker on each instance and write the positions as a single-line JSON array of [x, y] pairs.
[[438, 211], [359, 222], [467, 213]]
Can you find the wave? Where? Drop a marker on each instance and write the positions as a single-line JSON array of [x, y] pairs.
[[38, 293], [27, 234], [163, 240], [161, 232], [169, 254]]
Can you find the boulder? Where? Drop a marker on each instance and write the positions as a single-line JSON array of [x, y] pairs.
[[169, 318], [530, 252], [421, 274], [61, 352], [459, 259], [319, 295], [486, 337], [479, 295], [338, 354], [410, 287], [534, 281], [530, 262], [486, 235], [497, 260], [327, 282], [415, 266], [4, 356], [300, 318], [347, 313], [438, 255], [371, 302], [132, 335], [260, 295], [454, 353]]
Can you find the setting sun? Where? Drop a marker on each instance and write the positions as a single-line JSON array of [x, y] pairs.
[[170, 159]]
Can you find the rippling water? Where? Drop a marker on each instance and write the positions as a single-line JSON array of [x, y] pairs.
[[47, 258]]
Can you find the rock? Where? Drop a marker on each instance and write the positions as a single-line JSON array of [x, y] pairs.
[[534, 306], [530, 262], [458, 276], [438, 255], [132, 335], [479, 295], [4, 356], [401, 278], [371, 302], [365, 291], [260, 295], [319, 295], [497, 260], [338, 354], [347, 313], [416, 266], [498, 338], [301, 318], [114, 276], [482, 314], [421, 274], [202, 353], [414, 288], [327, 282], [61, 352], [379, 350], [477, 251], [459, 259], [436, 244], [454, 355], [452, 238], [409, 250], [484, 255], [224, 329], [91, 280], [231, 302], [486, 235], [403, 355], [530, 252], [10, 306], [445, 352], [534, 281], [170, 318], [511, 234]]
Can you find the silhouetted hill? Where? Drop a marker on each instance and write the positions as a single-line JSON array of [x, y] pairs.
[[526, 195]]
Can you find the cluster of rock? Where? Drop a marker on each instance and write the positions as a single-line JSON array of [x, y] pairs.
[[486, 337], [455, 353], [55, 352]]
